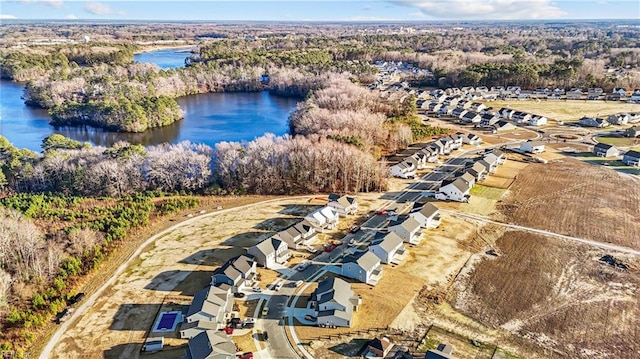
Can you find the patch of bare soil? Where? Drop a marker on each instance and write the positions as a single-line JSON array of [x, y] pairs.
[[570, 197], [556, 294]]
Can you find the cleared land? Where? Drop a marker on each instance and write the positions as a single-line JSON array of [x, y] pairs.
[[570, 197], [619, 141], [562, 110], [556, 294]]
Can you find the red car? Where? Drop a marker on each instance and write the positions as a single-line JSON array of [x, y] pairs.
[[228, 330], [381, 211], [330, 247], [354, 229], [248, 355]]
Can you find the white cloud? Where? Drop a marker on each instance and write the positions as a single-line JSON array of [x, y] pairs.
[[96, 8], [53, 3], [70, 17], [485, 9], [6, 17]]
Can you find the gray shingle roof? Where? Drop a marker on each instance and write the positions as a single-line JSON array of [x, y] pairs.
[[211, 344]]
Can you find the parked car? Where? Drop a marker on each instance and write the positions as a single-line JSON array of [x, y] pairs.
[[248, 355], [265, 336], [278, 286], [310, 317], [330, 247], [354, 229], [265, 311], [76, 298], [311, 249], [257, 289], [352, 242], [381, 211], [227, 330], [239, 295], [298, 283], [302, 266]]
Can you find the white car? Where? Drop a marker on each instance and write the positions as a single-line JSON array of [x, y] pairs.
[[311, 249], [302, 266], [278, 286], [257, 289], [298, 283]]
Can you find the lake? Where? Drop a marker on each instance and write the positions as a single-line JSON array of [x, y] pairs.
[[209, 118]]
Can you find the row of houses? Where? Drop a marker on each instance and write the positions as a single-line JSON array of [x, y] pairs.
[[430, 153], [615, 119], [388, 246], [630, 158], [515, 92], [458, 189]]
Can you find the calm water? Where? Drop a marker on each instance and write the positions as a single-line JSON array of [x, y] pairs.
[[209, 118], [165, 59]]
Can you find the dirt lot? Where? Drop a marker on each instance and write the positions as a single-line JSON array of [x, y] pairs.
[[568, 110], [557, 294], [570, 197]]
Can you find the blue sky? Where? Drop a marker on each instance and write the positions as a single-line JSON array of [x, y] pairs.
[[303, 10]]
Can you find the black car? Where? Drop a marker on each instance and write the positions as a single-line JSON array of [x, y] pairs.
[[239, 295], [265, 336], [76, 298]]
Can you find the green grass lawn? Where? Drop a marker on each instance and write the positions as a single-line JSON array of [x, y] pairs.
[[487, 192], [618, 141]]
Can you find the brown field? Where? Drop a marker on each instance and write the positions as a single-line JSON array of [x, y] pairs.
[[573, 198], [557, 294], [568, 110]]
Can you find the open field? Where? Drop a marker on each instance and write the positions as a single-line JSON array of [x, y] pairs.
[[571, 197], [557, 294], [567, 111], [619, 141]]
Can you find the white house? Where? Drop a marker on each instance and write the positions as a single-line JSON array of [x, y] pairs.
[[593, 122], [344, 205], [470, 117], [237, 272], [272, 250], [334, 302], [478, 171], [307, 231], [501, 126], [291, 237], [469, 178], [364, 267], [490, 163], [456, 190], [388, 247], [456, 141], [618, 119], [407, 228], [190, 330], [323, 218], [472, 139], [428, 216], [499, 155], [403, 169], [521, 117], [605, 150], [211, 304], [537, 120], [532, 146]]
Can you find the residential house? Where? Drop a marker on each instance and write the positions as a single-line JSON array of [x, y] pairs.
[[334, 302], [635, 96], [441, 147], [306, 230], [323, 218], [488, 119], [499, 155], [464, 104], [421, 158], [458, 112], [490, 163], [469, 178], [632, 131], [471, 139], [443, 351], [388, 247], [614, 96], [620, 91], [574, 94], [593, 122], [404, 169], [378, 348], [478, 171], [344, 205], [605, 150], [291, 237], [456, 190], [364, 267], [434, 106], [502, 126], [470, 117], [427, 216], [211, 344], [477, 106], [594, 93], [272, 251], [237, 272], [521, 117], [431, 153], [634, 117], [537, 120], [525, 95], [505, 113], [456, 141], [190, 330], [407, 228], [618, 119], [631, 158], [532, 146], [211, 304]]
